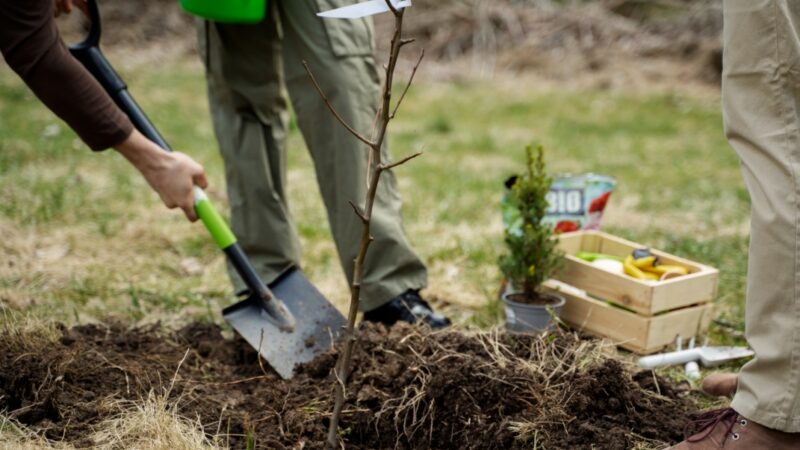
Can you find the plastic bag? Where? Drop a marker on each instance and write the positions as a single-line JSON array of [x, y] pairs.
[[576, 202]]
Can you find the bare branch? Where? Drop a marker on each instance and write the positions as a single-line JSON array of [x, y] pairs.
[[358, 212], [406, 41], [408, 85], [333, 110], [398, 163], [391, 7]]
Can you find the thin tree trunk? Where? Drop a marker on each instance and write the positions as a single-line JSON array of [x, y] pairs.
[[375, 167]]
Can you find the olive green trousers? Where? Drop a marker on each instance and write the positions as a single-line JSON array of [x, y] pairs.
[[761, 105], [252, 71]]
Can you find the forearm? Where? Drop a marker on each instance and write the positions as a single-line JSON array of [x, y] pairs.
[[141, 153], [31, 45]]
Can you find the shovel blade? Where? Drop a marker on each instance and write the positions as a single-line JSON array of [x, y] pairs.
[[318, 323]]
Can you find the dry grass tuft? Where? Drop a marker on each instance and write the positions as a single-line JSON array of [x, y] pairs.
[[23, 332], [17, 437], [152, 424]]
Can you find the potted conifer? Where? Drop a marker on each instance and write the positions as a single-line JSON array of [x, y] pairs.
[[532, 255]]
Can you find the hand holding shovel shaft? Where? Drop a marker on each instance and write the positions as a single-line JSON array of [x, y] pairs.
[[89, 54]]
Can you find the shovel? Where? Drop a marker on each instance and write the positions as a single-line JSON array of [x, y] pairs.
[[289, 322]]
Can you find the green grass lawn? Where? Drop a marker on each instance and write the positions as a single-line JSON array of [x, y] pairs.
[[85, 239]]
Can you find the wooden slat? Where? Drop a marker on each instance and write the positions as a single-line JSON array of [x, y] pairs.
[[571, 243], [626, 291], [603, 320], [640, 334], [685, 322]]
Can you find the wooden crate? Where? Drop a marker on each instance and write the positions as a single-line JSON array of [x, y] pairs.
[[642, 316], [644, 297], [638, 333]]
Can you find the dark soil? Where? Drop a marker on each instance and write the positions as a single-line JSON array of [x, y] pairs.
[[409, 389]]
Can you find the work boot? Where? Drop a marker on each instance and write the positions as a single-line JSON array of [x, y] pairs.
[[407, 307], [720, 384], [726, 429]]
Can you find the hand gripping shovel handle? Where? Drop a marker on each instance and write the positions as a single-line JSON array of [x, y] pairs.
[[89, 54]]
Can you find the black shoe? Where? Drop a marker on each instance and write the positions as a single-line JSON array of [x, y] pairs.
[[408, 307]]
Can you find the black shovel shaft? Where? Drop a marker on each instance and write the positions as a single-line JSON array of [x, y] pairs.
[[89, 54]]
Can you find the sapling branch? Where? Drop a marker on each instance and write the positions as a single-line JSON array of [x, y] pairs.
[[333, 110], [408, 85], [358, 212], [390, 166], [374, 169]]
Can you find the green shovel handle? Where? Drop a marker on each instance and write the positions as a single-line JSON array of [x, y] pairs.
[[222, 235]]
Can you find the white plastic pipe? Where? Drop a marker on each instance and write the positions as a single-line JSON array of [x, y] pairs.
[[669, 359]]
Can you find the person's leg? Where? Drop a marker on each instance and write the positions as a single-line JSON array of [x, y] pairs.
[[249, 110], [340, 54], [761, 102], [761, 108], [760, 85]]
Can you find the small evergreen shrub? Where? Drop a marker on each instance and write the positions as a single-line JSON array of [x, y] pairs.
[[532, 256]]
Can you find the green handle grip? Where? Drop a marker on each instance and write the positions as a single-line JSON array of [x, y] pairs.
[[215, 224]]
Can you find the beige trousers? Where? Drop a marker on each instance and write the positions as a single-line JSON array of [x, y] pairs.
[[252, 71], [761, 103]]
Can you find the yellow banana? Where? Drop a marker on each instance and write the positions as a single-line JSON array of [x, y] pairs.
[[645, 263], [661, 269], [651, 276], [635, 272]]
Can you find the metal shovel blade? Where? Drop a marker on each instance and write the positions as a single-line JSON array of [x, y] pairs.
[[714, 356], [318, 323]]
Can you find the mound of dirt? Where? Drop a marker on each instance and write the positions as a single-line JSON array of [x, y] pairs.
[[409, 389]]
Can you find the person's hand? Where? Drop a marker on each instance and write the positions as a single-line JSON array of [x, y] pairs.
[[171, 175], [65, 6]]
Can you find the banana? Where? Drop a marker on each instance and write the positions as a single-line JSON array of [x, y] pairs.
[[661, 269], [635, 272], [650, 266], [651, 276], [646, 262]]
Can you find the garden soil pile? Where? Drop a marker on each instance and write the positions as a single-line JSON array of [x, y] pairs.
[[410, 389]]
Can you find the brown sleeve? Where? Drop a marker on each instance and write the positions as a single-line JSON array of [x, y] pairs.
[[32, 47]]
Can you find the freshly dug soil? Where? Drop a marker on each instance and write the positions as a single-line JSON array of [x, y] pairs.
[[410, 389]]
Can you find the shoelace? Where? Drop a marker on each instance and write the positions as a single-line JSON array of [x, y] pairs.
[[706, 423]]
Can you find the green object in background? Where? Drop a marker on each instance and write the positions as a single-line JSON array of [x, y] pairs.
[[590, 257], [241, 11]]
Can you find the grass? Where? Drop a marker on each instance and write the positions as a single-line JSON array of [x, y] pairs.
[[152, 424], [85, 239]]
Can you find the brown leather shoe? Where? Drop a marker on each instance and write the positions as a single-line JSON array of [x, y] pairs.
[[726, 429], [720, 384]]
